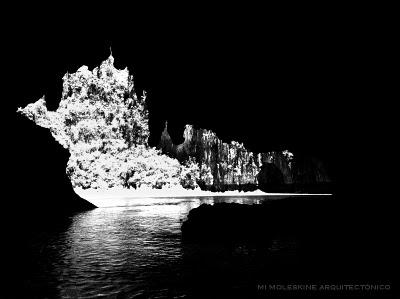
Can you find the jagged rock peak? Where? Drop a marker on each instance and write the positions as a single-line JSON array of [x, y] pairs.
[[92, 101], [165, 137], [104, 125], [188, 133]]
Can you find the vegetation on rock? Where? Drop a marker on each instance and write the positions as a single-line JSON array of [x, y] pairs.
[[104, 125]]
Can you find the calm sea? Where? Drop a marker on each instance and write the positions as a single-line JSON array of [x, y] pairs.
[[137, 252]]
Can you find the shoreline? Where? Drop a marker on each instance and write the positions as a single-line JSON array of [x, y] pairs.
[[175, 192], [126, 197]]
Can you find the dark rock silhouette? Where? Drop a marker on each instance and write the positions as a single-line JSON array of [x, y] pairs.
[[45, 192], [270, 178], [258, 223]]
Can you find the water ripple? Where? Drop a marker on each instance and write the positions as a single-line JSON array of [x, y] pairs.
[[127, 252]]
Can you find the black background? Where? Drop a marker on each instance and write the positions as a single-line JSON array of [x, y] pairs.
[[273, 80], [272, 84]]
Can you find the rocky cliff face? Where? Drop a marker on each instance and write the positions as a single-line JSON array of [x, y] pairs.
[[104, 126], [230, 166], [222, 166], [99, 104]]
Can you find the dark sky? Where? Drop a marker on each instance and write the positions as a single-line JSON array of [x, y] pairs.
[[270, 83]]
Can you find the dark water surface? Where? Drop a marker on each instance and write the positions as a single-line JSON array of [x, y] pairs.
[[137, 252]]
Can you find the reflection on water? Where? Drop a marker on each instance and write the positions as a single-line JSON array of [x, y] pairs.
[[124, 251]]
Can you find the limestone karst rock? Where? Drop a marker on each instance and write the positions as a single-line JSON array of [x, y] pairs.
[[230, 166], [92, 101], [104, 125]]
